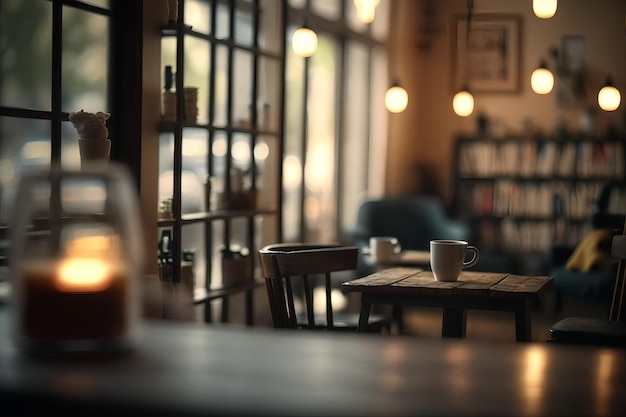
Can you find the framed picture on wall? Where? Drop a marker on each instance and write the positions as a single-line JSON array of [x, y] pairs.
[[486, 53]]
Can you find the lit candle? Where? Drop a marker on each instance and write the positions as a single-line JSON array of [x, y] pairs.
[[79, 297]]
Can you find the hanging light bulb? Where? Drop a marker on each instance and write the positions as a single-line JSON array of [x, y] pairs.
[[542, 79], [463, 103], [304, 42], [544, 9], [609, 97], [366, 10], [396, 98]]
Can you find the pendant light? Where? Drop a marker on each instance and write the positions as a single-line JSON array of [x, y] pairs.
[[396, 98], [304, 41], [609, 97], [542, 79], [544, 9], [463, 103], [366, 10]]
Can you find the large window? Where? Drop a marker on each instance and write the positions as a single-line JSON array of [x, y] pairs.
[[57, 57], [333, 119], [54, 60]]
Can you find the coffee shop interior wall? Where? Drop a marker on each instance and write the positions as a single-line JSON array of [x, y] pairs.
[[423, 135]]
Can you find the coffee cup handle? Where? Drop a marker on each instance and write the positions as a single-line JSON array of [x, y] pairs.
[[397, 249], [474, 259]]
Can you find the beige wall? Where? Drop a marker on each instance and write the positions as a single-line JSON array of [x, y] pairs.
[[425, 132]]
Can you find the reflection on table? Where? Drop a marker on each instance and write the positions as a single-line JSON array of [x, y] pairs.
[[188, 369]]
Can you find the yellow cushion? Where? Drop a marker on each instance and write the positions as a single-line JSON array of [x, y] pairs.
[[587, 254]]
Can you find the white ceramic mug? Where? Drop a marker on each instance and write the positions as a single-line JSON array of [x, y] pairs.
[[447, 258], [384, 248]]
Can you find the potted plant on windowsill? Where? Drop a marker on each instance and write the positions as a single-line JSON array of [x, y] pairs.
[[94, 144]]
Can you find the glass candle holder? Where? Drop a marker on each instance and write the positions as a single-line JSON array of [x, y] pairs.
[[76, 258]]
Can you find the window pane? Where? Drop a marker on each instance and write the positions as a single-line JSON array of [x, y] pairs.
[[355, 136], [378, 125], [219, 150], [193, 239], [270, 35], [26, 143], [197, 64], [267, 157], [26, 51], [222, 31], [25, 146], [242, 88], [84, 61], [294, 140], [195, 157], [320, 184], [268, 117], [166, 167], [198, 15], [195, 147], [70, 156], [221, 86], [244, 33]]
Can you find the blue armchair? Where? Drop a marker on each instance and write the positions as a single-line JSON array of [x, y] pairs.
[[596, 284]]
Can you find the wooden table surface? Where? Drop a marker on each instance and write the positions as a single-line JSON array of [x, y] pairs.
[[406, 258], [402, 286], [188, 369]]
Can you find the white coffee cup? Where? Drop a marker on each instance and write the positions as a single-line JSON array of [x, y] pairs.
[[447, 258], [384, 248]]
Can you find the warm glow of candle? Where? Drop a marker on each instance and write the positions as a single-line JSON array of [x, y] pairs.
[[74, 298], [83, 275], [92, 246]]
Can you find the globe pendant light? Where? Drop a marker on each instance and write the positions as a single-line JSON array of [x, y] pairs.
[[542, 79], [304, 42], [366, 10], [463, 103], [544, 9], [396, 99], [609, 97]]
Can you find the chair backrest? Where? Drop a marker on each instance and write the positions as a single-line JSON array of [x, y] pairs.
[[618, 301], [282, 264]]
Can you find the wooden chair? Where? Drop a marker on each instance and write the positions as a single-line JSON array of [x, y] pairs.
[[284, 264], [588, 331]]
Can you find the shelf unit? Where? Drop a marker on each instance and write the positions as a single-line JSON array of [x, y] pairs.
[[521, 195], [234, 59]]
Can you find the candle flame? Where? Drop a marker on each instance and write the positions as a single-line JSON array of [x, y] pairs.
[[83, 275]]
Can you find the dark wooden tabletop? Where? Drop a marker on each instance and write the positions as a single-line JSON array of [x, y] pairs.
[[415, 281], [188, 369]]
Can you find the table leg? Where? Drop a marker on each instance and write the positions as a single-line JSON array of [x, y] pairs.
[[454, 322], [364, 316], [522, 322], [224, 309], [208, 314], [396, 316]]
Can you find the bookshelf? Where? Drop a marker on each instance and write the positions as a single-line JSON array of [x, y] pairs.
[[522, 195]]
